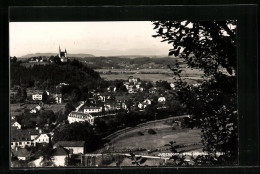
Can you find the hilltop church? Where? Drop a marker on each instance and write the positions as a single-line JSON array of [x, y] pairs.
[[63, 55]]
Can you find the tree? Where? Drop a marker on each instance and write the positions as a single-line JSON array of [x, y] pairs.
[[210, 46], [44, 97], [78, 131], [13, 59], [68, 108]]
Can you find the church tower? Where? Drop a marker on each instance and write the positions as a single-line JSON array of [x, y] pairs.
[[59, 52]]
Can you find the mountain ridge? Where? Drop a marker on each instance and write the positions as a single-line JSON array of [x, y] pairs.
[[78, 55]]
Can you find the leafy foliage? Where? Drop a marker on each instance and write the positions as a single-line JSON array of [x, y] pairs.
[[49, 75], [78, 131], [210, 46]]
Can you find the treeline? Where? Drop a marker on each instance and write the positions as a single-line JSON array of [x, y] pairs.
[[119, 62], [46, 77]]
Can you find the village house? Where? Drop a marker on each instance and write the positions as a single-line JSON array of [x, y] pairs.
[[121, 105], [80, 117], [58, 98], [141, 105], [152, 90], [42, 139], [161, 99], [37, 97], [60, 156], [74, 147], [15, 124], [110, 106], [111, 89], [172, 86], [147, 101], [36, 109], [34, 133], [131, 79], [92, 109]]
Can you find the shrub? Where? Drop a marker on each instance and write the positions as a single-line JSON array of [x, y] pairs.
[[140, 133], [151, 131]]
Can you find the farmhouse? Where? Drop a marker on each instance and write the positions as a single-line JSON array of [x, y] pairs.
[[16, 124], [34, 133], [42, 138], [60, 156], [80, 117], [74, 147]]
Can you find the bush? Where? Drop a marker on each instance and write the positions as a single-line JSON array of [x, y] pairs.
[[140, 133], [151, 131]]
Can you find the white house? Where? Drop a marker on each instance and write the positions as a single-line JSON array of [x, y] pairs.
[[60, 156], [90, 109], [34, 132], [147, 101], [37, 97], [74, 147], [34, 110], [42, 138], [80, 117], [172, 85], [140, 106], [161, 99], [16, 124], [132, 79], [58, 98]]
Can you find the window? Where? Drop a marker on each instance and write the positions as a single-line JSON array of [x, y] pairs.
[[11, 143], [28, 142], [20, 143]]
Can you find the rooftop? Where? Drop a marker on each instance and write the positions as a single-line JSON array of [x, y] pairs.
[[60, 151], [70, 144], [20, 135]]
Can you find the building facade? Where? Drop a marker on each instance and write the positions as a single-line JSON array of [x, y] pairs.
[[80, 117]]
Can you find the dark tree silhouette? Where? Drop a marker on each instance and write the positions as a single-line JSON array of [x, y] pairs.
[[210, 46]]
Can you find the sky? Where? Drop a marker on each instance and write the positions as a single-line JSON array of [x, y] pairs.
[[110, 38]]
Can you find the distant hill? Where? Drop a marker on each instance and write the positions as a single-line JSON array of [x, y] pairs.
[[54, 54]]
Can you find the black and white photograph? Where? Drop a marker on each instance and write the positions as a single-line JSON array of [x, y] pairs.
[[123, 93]]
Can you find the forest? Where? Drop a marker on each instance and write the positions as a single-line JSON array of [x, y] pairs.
[[48, 76]]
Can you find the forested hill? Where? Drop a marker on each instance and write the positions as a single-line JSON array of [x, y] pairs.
[[49, 75]]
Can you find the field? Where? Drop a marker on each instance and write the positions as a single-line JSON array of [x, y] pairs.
[[191, 75], [151, 145], [16, 109], [164, 134]]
